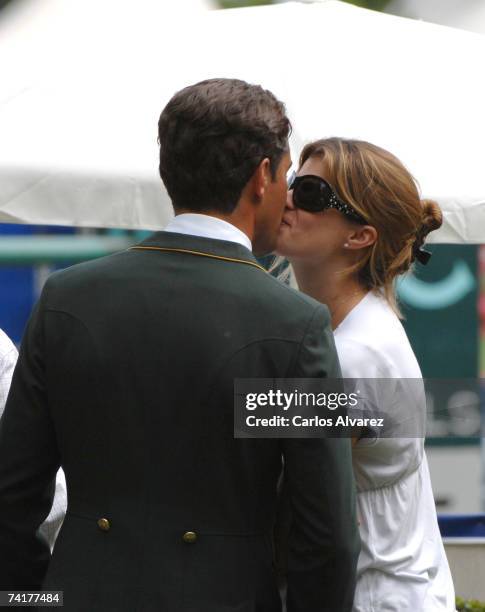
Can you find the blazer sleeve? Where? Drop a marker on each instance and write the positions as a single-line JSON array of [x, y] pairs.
[[29, 460], [323, 543]]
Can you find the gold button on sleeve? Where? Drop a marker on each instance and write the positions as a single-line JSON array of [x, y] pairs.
[[189, 537], [103, 524]]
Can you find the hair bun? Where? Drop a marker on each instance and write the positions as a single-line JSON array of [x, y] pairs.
[[432, 217]]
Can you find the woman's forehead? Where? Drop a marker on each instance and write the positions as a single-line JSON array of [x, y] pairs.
[[314, 165]]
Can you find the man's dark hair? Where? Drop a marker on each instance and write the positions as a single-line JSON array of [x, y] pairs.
[[212, 137]]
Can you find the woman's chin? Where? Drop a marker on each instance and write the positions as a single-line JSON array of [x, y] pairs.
[[283, 239], [281, 244]]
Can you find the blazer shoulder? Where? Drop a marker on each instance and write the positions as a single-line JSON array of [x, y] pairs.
[[91, 278], [87, 270]]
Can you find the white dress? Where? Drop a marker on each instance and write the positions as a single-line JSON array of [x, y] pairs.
[[402, 566]]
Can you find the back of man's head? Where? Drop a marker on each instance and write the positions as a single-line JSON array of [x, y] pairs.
[[213, 135]]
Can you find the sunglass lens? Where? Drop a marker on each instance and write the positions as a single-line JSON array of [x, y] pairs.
[[308, 194]]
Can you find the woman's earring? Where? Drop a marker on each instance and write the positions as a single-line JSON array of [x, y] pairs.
[[346, 245]]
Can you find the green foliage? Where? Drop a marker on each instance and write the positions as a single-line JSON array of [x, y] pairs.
[[471, 605], [376, 5], [240, 3]]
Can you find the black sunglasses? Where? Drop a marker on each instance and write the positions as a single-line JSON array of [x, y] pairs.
[[314, 194]]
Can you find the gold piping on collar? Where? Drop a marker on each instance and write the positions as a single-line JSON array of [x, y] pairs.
[[201, 254]]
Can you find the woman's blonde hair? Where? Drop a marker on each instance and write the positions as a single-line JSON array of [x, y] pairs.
[[380, 188]]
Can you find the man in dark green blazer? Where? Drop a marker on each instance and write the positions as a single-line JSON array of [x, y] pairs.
[[125, 379]]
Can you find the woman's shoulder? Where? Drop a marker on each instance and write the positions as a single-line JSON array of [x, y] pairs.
[[372, 343]]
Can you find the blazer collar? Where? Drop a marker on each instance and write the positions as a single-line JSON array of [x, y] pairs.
[[205, 246]]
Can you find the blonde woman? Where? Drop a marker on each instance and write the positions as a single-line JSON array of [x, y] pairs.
[[354, 222]]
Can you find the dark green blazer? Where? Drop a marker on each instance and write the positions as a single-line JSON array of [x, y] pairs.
[[125, 379]]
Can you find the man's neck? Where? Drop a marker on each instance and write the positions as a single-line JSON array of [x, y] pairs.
[[241, 222], [208, 226]]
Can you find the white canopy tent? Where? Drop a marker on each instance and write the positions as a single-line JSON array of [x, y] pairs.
[[83, 90], [466, 14]]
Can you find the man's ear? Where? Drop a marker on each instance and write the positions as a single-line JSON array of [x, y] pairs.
[[361, 237], [260, 179]]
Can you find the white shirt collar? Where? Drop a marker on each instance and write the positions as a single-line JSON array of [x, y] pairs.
[[207, 226]]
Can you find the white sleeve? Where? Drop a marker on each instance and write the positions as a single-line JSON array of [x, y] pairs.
[[371, 376], [359, 360], [8, 359], [51, 526]]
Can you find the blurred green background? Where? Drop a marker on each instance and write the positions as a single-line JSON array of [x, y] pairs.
[[376, 5]]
